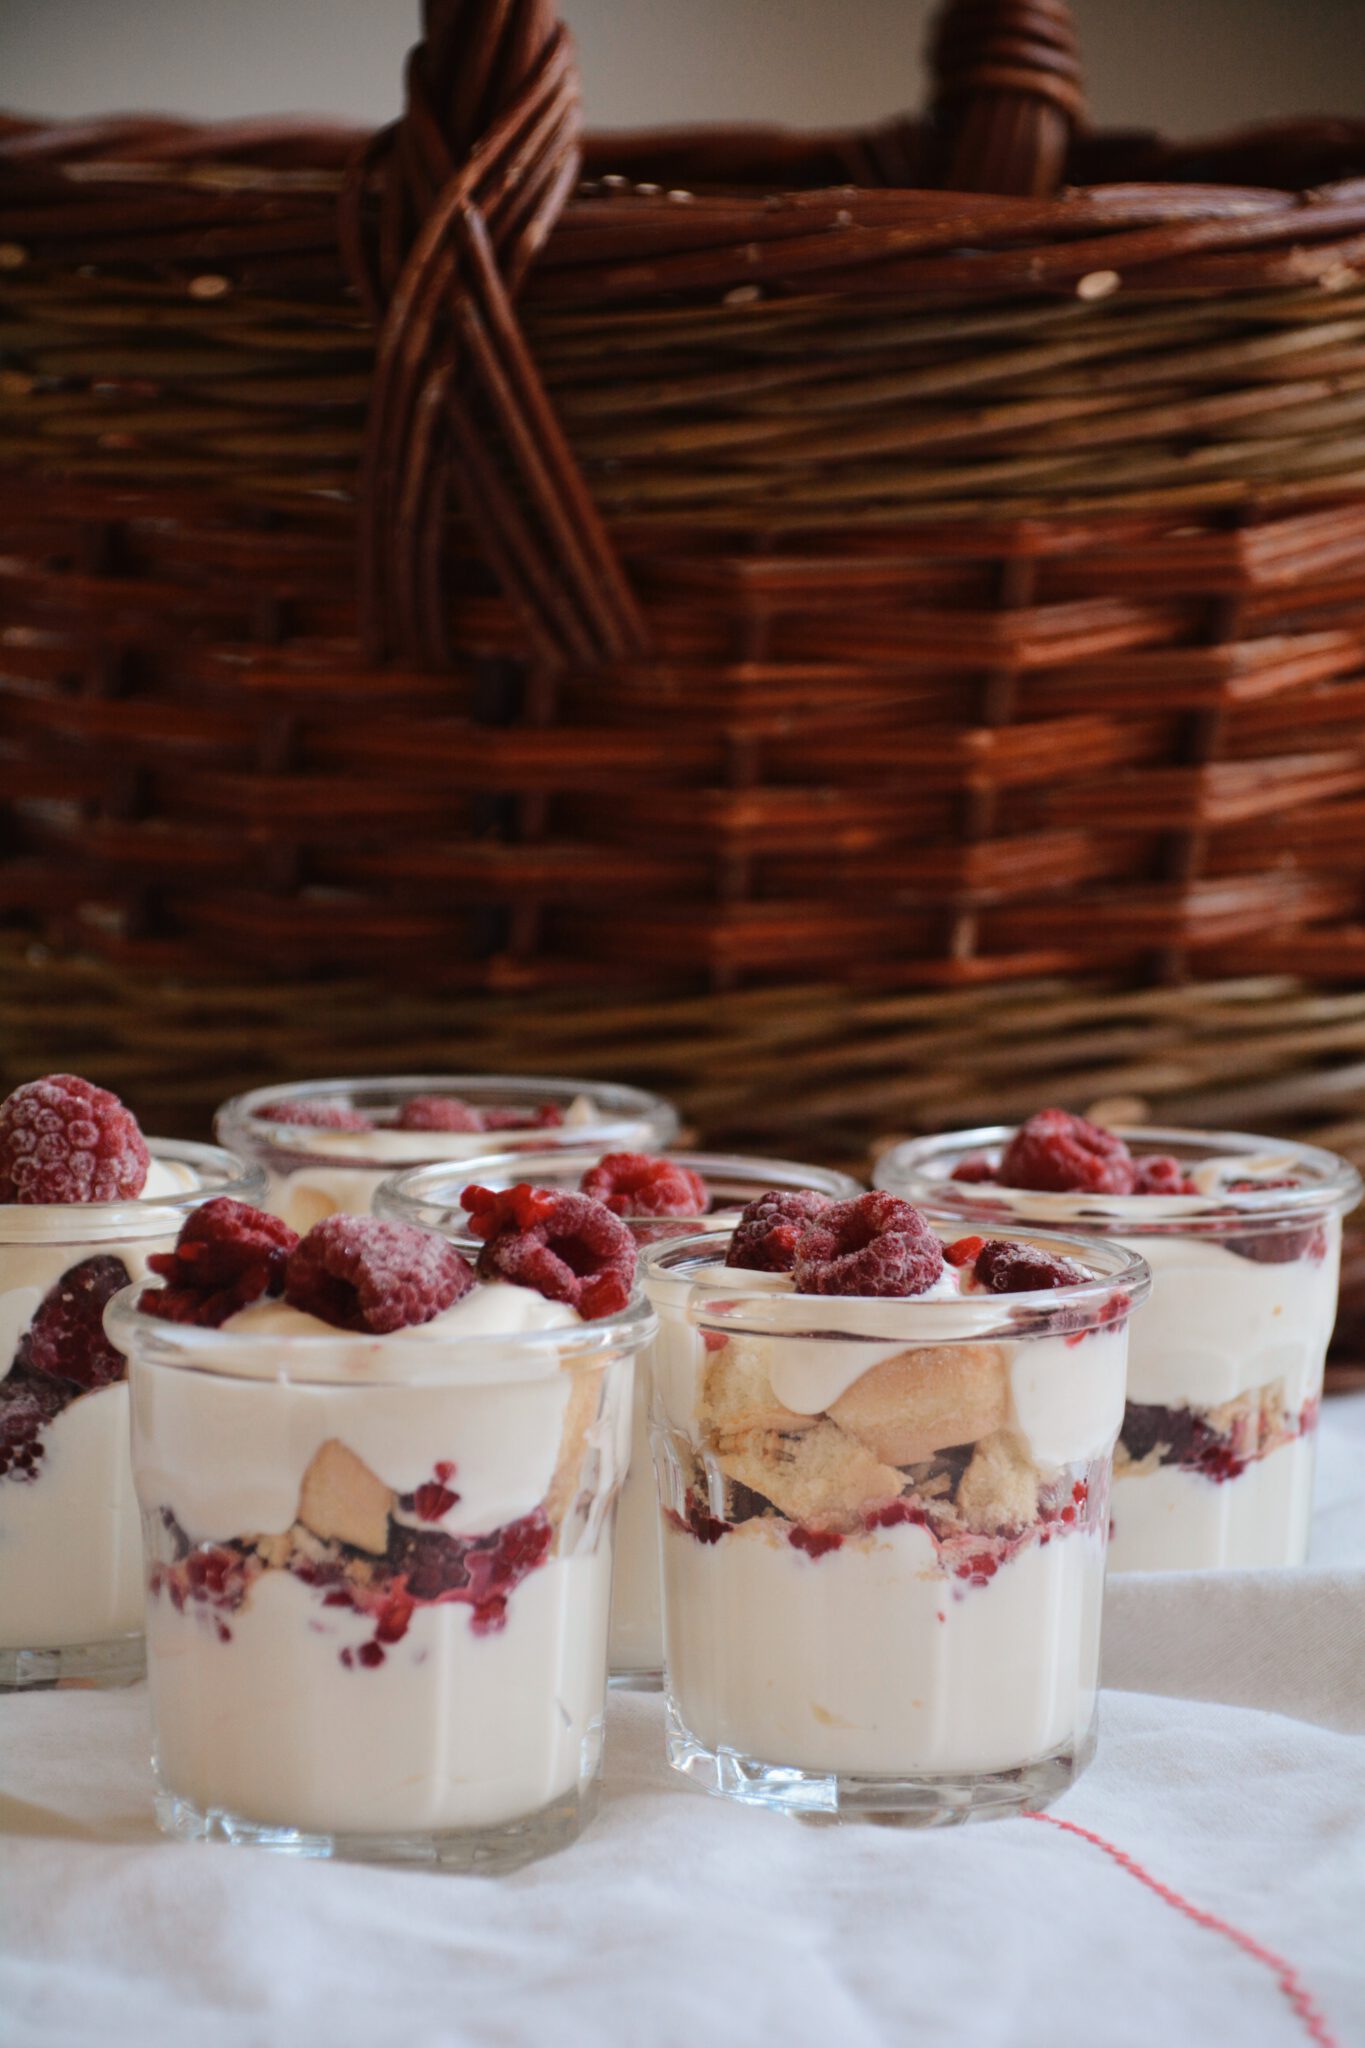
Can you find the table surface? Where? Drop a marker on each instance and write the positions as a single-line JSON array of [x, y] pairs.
[[1230, 1782]]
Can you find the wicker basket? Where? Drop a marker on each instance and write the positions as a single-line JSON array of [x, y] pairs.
[[670, 616]]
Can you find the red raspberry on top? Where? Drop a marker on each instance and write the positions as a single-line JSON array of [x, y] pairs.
[[66, 1339], [1161, 1175], [64, 1140], [976, 1167], [1008, 1268], [1058, 1153], [637, 1184], [360, 1273], [548, 1117], [439, 1113], [319, 1116], [766, 1235], [875, 1244], [226, 1256], [568, 1247]]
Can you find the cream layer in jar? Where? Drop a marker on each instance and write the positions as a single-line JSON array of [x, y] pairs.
[[379, 1567], [884, 1530], [431, 1197], [314, 1172], [1214, 1465], [70, 1538]]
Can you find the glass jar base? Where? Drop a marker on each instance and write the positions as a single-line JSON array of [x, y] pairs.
[[931, 1800], [636, 1681], [76, 1667], [480, 1852]]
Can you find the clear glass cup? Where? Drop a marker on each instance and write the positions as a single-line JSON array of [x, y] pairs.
[[884, 1530], [70, 1541], [315, 1173], [378, 1578], [431, 1196], [1215, 1459]]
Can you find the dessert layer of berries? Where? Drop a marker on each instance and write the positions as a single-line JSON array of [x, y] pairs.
[[362, 1548], [1219, 1443], [63, 1354], [417, 1113], [64, 1140], [568, 1247]]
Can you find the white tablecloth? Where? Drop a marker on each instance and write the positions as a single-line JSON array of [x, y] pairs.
[[1231, 1768]]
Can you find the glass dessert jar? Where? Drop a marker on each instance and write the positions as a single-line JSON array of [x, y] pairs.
[[379, 1572], [326, 1145], [1214, 1465], [884, 1529], [70, 1542], [431, 1196]]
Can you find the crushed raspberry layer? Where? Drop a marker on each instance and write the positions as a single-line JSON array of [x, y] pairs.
[[66, 1338], [319, 1116], [568, 1247], [28, 1403], [226, 1256], [1058, 1153], [1185, 1437], [64, 1140], [1276, 1247], [765, 1237], [360, 1273], [873, 1245], [1008, 1268], [637, 1184]]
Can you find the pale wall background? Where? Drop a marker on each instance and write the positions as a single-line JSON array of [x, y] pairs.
[[1183, 65]]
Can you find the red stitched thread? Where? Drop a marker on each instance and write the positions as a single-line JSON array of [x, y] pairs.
[[1286, 1975]]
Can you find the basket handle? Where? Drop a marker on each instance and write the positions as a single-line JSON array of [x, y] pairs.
[[442, 215], [1007, 94]]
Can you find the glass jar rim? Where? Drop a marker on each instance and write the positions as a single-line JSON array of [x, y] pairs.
[[618, 1103], [354, 1358], [415, 1195], [221, 1172], [1335, 1188], [746, 1301]]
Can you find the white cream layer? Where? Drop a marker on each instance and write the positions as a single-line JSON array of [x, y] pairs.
[[453, 1730], [867, 1660], [1172, 1520]]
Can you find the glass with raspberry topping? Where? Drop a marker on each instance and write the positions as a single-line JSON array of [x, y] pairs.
[[378, 1493], [326, 1145], [85, 1203], [659, 1199], [1214, 1465], [883, 1463]]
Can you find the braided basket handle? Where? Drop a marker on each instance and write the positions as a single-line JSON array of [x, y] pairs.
[[1007, 94], [442, 215]]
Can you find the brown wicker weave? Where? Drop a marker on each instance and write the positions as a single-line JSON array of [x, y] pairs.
[[764, 562]]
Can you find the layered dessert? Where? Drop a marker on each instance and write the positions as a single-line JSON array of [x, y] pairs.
[[327, 1145], [1214, 1465], [378, 1484], [84, 1204], [659, 1198], [883, 1460]]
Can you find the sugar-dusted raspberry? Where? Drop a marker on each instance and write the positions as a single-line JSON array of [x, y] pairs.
[[319, 1116], [875, 1244], [976, 1167], [568, 1247], [548, 1117], [1162, 1174], [1058, 1153], [64, 1140], [637, 1184], [226, 1256], [28, 1402], [360, 1273], [440, 1113], [66, 1337], [1009, 1268], [765, 1237]]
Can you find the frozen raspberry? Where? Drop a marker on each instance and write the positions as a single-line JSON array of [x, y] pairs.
[[319, 1116], [975, 1168], [359, 1273], [766, 1235], [568, 1247], [440, 1113], [1008, 1268], [27, 1404], [1058, 1153], [548, 1117], [64, 1140], [226, 1256], [1161, 1175], [66, 1337], [875, 1244], [635, 1184]]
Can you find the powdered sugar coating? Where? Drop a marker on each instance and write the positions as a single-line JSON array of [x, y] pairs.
[[64, 1140], [360, 1273], [770, 1227], [226, 1256], [638, 1184], [568, 1247], [873, 1245]]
